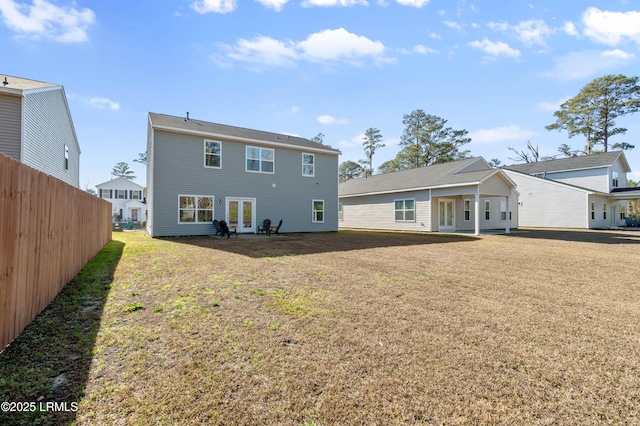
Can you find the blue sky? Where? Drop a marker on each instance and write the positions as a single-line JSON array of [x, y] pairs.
[[498, 69]]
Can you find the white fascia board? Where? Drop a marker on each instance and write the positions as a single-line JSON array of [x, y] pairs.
[[239, 139], [422, 188]]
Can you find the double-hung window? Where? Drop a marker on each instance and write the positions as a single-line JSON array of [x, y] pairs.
[[308, 164], [318, 211], [66, 157], [604, 211], [467, 210], [106, 193], [213, 154], [614, 178], [121, 194], [340, 212], [503, 210], [260, 160], [487, 210], [195, 208], [405, 210], [136, 195], [593, 211]]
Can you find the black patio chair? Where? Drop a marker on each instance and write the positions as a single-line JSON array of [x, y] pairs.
[[265, 227], [226, 230], [218, 228], [275, 229]]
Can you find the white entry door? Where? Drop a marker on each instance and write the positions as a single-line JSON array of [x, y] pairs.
[[241, 214], [446, 216]]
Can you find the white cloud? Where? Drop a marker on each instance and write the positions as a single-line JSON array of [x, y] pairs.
[[329, 3], [328, 119], [354, 142], [273, 4], [104, 102], [533, 32], [413, 3], [529, 32], [294, 109], [500, 134], [216, 6], [552, 105], [323, 47], [611, 27], [496, 49], [419, 49], [435, 36], [263, 50], [339, 44], [570, 28], [44, 19], [452, 24], [588, 63]]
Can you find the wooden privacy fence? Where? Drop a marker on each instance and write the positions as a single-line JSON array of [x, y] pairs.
[[48, 231]]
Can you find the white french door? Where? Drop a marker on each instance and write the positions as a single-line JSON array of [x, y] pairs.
[[241, 214], [446, 215]]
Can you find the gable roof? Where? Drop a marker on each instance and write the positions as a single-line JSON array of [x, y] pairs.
[[19, 85], [435, 176], [119, 183], [582, 162], [204, 128]]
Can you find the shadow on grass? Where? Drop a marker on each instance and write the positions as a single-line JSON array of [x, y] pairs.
[[321, 242], [47, 365], [583, 236]]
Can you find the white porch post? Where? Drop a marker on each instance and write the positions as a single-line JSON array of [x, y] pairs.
[[477, 215], [507, 228]]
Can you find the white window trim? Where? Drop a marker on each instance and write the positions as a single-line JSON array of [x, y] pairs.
[[313, 211], [124, 192], [259, 159], [313, 165], [204, 148], [213, 204], [593, 211], [136, 194], [503, 203], [340, 212], [404, 210], [465, 210], [66, 157], [106, 194], [487, 203]]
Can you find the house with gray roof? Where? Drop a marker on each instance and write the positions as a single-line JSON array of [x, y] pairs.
[[36, 127], [587, 191], [464, 195], [199, 171]]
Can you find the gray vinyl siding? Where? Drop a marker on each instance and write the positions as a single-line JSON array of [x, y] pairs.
[[599, 221], [378, 212], [494, 221], [10, 125], [546, 204], [178, 168], [594, 179], [47, 129], [495, 185]]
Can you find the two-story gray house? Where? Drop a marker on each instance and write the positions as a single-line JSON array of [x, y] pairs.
[[36, 127], [198, 171], [587, 191]]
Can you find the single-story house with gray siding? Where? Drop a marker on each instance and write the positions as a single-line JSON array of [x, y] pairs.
[[198, 171], [464, 195]]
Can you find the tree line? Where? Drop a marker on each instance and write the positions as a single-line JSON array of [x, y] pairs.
[[427, 139]]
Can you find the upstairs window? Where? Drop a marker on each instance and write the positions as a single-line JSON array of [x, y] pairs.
[[106, 193], [121, 194], [66, 157], [260, 160], [136, 195], [213, 154], [307, 164], [614, 179]]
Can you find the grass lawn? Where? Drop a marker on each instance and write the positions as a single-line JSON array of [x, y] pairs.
[[538, 327]]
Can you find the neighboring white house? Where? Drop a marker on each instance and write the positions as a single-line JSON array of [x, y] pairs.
[[126, 198], [36, 127], [464, 195], [587, 191]]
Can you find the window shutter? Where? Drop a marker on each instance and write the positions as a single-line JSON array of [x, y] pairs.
[[100, 195]]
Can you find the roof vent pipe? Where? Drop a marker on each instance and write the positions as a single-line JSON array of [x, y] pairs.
[[5, 82]]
